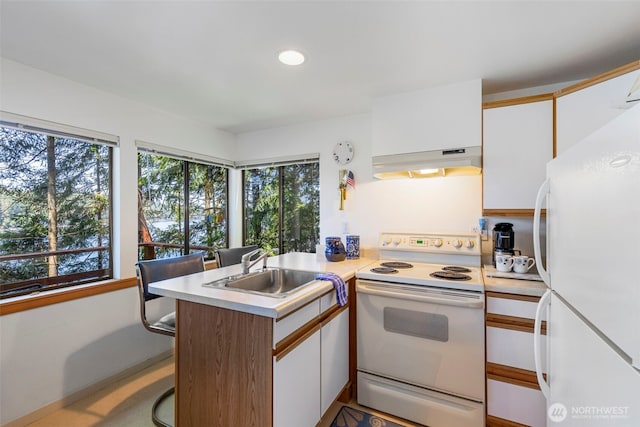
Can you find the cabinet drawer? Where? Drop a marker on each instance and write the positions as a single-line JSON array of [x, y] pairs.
[[417, 404], [520, 404], [294, 321], [513, 348], [512, 307], [330, 299]]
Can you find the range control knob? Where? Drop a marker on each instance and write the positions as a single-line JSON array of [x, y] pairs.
[[396, 241], [470, 244], [457, 243], [437, 243], [386, 241]]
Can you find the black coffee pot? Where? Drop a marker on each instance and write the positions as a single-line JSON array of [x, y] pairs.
[[503, 240]]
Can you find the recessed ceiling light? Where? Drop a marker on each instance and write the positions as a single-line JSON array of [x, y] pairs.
[[291, 57]]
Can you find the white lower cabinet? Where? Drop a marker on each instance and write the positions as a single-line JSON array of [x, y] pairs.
[[311, 372], [296, 385], [523, 405], [334, 359], [513, 348], [513, 395]]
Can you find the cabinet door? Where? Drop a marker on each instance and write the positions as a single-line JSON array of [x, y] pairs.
[[296, 385], [434, 118], [515, 403], [582, 112], [517, 144], [334, 359]]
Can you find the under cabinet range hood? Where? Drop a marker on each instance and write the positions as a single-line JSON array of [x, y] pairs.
[[429, 164]]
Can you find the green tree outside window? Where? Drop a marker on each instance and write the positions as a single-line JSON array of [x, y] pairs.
[[55, 210], [182, 207], [282, 207]]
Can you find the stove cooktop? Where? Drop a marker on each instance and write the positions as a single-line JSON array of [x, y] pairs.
[[421, 275]]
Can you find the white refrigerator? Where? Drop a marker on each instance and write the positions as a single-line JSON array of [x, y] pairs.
[[592, 195]]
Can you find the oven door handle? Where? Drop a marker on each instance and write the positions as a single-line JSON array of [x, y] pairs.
[[420, 295]]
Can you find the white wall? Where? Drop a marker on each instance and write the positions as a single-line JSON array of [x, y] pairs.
[[436, 204], [51, 352]]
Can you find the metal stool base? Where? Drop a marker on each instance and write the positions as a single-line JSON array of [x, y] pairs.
[[157, 421]]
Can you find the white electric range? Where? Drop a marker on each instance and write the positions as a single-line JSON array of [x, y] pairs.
[[420, 322]]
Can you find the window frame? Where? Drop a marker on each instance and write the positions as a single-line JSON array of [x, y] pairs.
[[279, 163], [58, 130], [188, 158]]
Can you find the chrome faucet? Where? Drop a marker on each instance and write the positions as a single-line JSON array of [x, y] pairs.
[[247, 263]]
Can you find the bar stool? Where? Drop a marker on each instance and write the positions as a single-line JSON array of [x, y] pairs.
[[230, 256], [154, 271]]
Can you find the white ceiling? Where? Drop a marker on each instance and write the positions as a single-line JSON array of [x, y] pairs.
[[215, 61]]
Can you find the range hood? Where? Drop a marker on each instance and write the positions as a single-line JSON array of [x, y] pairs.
[[429, 164]]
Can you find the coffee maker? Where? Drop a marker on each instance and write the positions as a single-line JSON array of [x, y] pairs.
[[503, 240]]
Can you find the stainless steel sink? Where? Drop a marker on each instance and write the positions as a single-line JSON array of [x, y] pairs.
[[273, 282]]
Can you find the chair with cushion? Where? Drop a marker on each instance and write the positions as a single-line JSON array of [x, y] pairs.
[[155, 271], [230, 256]]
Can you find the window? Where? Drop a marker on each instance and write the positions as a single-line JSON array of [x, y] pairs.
[[182, 206], [282, 207], [55, 207]]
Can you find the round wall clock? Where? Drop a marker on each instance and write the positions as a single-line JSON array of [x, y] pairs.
[[343, 153]]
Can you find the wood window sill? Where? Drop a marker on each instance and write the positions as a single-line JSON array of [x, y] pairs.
[[42, 299]]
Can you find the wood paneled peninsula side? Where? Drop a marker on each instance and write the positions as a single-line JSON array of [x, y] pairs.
[[250, 360]]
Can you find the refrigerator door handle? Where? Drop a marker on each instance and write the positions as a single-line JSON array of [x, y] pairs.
[[543, 191], [545, 300]]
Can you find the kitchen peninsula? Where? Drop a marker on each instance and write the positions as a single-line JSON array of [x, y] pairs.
[[251, 360]]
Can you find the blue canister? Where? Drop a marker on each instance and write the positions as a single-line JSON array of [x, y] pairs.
[[353, 246], [334, 250]]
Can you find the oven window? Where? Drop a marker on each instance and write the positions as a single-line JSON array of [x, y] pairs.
[[416, 323]]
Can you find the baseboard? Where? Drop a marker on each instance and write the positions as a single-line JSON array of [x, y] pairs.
[[346, 394], [80, 394]]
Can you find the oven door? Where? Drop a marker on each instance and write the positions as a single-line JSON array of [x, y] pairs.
[[428, 337]]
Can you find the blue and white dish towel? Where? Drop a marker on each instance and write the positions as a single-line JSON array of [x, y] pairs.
[[338, 285]]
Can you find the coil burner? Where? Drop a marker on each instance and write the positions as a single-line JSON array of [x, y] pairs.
[[384, 270], [449, 275], [457, 269], [396, 264]]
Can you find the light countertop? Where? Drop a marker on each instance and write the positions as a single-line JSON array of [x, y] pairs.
[[512, 286], [190, 287]]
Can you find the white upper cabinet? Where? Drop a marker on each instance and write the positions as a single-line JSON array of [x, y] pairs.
[[517, 144], [442, 117], [583, 108]]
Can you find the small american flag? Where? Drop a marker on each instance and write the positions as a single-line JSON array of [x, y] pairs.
[[351, 180]]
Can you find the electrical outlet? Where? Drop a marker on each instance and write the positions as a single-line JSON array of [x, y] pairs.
[[475, 228], [482, 227]]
